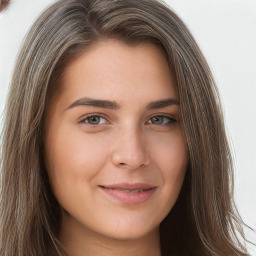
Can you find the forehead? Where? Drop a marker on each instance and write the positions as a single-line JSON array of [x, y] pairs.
[[112, 69]]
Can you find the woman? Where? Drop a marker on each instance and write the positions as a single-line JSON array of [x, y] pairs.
[[114, 142]]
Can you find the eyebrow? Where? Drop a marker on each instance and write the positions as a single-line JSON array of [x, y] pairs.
[[95, 103], [162, 103], [115, 106]]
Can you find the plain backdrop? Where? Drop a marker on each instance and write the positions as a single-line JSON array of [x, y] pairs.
[[226, 32]]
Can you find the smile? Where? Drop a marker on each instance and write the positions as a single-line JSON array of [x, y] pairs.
[[129, 194], [135, 191]]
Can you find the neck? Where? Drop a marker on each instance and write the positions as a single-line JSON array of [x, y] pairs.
[[84, 242]]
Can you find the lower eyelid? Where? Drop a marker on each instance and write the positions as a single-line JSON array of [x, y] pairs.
[[171, 119], [84, 118]]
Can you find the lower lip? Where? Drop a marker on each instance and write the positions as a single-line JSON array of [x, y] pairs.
[[130, 198]]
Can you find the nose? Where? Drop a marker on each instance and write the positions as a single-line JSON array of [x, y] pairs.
[[130, 150]]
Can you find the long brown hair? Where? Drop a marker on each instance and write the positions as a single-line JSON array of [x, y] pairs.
[[204, 220]]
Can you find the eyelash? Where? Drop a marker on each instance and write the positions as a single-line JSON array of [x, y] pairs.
[[83, 121], [167, 120]]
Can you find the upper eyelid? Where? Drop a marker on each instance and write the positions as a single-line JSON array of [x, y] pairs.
[[102, 115], [164, 115], [172, 119], [84, 117]]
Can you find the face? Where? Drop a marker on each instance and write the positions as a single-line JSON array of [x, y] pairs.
[[115, 152]]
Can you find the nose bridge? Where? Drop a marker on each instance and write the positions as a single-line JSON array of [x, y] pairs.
[[130, 148]]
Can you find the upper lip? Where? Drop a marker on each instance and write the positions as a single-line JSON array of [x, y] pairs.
[[129, 186]]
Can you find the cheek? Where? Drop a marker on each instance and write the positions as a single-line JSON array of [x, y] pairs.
[[172, 161], [72, 159]]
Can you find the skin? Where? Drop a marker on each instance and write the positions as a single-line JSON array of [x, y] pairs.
[[116, 145]]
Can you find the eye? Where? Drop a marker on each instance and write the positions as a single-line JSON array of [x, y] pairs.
[[94, 120], [161, 120]]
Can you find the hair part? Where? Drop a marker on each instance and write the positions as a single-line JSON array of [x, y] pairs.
[[29, 213]]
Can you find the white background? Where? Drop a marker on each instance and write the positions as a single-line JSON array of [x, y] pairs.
[[226, 32]]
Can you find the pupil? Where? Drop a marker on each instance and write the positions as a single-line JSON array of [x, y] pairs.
[[157, 120], [94, 120]]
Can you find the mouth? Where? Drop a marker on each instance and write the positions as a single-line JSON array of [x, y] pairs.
[[129, 194], [135, 191]]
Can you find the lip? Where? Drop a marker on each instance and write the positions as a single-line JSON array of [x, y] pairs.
[[117, 191]]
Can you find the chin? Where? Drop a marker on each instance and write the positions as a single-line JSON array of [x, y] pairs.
[[131, 232]]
